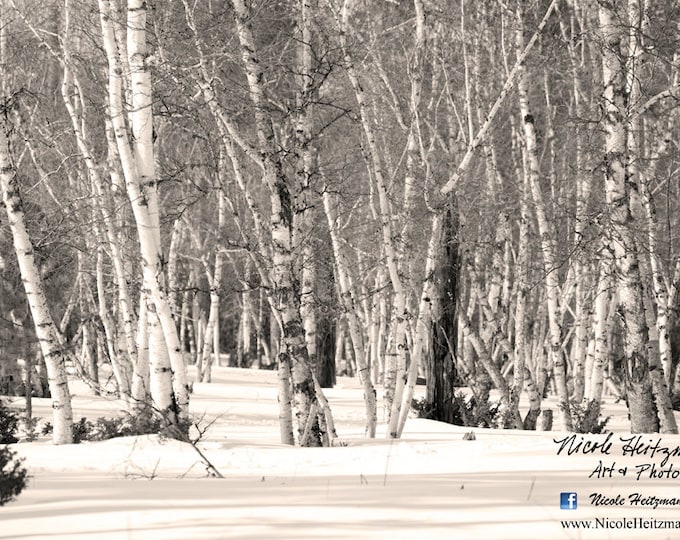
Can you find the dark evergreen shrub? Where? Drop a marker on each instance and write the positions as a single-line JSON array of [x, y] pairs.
[[128, 425], [13, 476], [9, 421], [467, 411], [587, 419]]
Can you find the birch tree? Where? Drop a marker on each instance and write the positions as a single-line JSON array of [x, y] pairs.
[[47, 332], [548, 239], [136, 157], [294, 354], [629, 285]]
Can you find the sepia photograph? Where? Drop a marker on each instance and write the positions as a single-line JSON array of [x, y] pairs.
[[339, 269]]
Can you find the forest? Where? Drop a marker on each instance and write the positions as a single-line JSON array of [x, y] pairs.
[[460, 194]]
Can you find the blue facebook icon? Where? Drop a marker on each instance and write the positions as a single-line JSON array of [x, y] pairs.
[[568, 500]]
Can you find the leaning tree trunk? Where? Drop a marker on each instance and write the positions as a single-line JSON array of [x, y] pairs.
[[422, 336], [140, 182], [45, 327], [349, 304]]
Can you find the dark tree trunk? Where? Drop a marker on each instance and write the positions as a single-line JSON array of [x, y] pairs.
[[674, 334], [325, 352], [441, 370]]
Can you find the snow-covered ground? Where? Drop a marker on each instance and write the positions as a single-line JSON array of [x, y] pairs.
[[430, 484]]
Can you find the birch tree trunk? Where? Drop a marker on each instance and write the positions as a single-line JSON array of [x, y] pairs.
[[397, 369], [45, 328], [425, 315], [643, 415], [659, 365], [548, 247], [305, 169], [141, 389], [140, 181], [74, 101], [211, 338], [595, 383], [293, 357], [349, 305], [520, 345]]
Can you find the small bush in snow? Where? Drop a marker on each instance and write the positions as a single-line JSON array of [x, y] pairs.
[[128, 425], [587, 419], [9, 421], [466, 411], [12, 475]]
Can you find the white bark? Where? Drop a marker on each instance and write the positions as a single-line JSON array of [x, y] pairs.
[[425, 315], [141, 390], [140, 181], [45, 327], [659, 362], [349, 304], [643, 419], [293, 354], [210, 348], [548, 243], [520, 345], [396, 370]]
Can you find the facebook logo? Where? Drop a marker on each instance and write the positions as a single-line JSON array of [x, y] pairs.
[[568, 500]]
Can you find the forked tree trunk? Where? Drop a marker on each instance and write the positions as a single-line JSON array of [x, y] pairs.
[[140, 180], [293, 356]]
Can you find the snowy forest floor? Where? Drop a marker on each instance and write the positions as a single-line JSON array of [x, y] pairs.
[[432, 483]]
